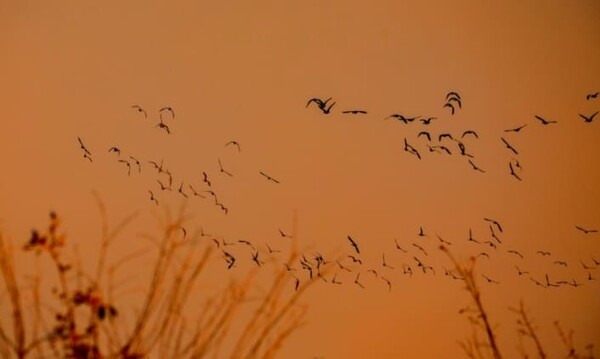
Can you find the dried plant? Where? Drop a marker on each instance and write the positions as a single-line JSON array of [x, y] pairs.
[[87, 321]]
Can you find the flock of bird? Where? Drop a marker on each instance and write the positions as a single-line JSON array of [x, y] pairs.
[[408, 257]]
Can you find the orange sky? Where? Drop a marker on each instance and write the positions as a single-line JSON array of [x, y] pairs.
[[244, 71]]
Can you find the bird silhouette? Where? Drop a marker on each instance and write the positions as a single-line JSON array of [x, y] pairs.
[[222, 170], [234, 143], [490, 280], [384, 264], [470, 132], [399, 247], [140, 109], [283, 234], [445, 135], [353, 244], [355, 112], [269, 178], [205, 179], [475, 166], [512, 171], [162, 186], [426, 134], [544, 121], [137, 163], [322, 105], [152, 198], [357, 282], [592, 96], [516, 129], [180, 190], [494, 222], [168, 109], [128, 166], [410, 149], [588, 119], [509, 146], [449, 105], [161, 125], [427, 121], [420, 248], [402, 118], [194, 192], [586, 231], [115, 150], [520, 272], [515, 252]]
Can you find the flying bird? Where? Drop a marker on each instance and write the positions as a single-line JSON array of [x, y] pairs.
[[162, 125], [355, 112], [180, 190], [205, 179], [137, 163], [128, 166], [169, 109], [470, 132], [516, 129], [115, 150], [222, 170], [544, 121], [427, 121], [493, 221], [234, 143], [592, 96], [588, 119], [452, 94], [194, 192], [322, 105], [426, 134], [162, 186], [509, 146], [450, 106], [152, 198], [82, 146], [586, 231], [490, 280], [512, 171], [269, 178], [353, 244], [140, 109], [475, 166], [444, 135], [283, 234]]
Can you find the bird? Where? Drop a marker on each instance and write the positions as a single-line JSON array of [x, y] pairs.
[[592, 95], [444, 135], [269, 178], [588, 119], [156, 166], [455, 99], [490, 280], [222, 207], [427, 121], [421, 232], [334, 281], [561, 263], [516, 129], [357, 282], [272, 250], [321, 104], [449, 105], [443, 148], [442, 240], [140, 109], [342, 267], [384, 264], [229, 258], [452, 94], [115, 150], [543, 253], [491, 244], [374, 272], [283, 234], [355, 260], [205, 179], [475, 166], [255, 258], [512, 171], [515, 252], [222, 170], [137, 163], [403, 118], [483, 254], [426, 134], [180, 190], [470, 132], [388, 282], [544, 121], [520, 272], [234, 143], [353, 244], [82, 146], [410, 149], [509, 146], [420, 248], [161, 125], [495, 222], [494, 234], [586, 231], [169, 109], [400, 248], [184, 232], [128, 166], [471, 239], [152, 198], [247, 243], [355, 112], [463, 149], [162, 186], [194, 192]]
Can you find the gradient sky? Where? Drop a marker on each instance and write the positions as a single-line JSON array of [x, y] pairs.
[[244, 71]]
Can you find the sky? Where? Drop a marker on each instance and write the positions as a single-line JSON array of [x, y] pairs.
[[244, 71]]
